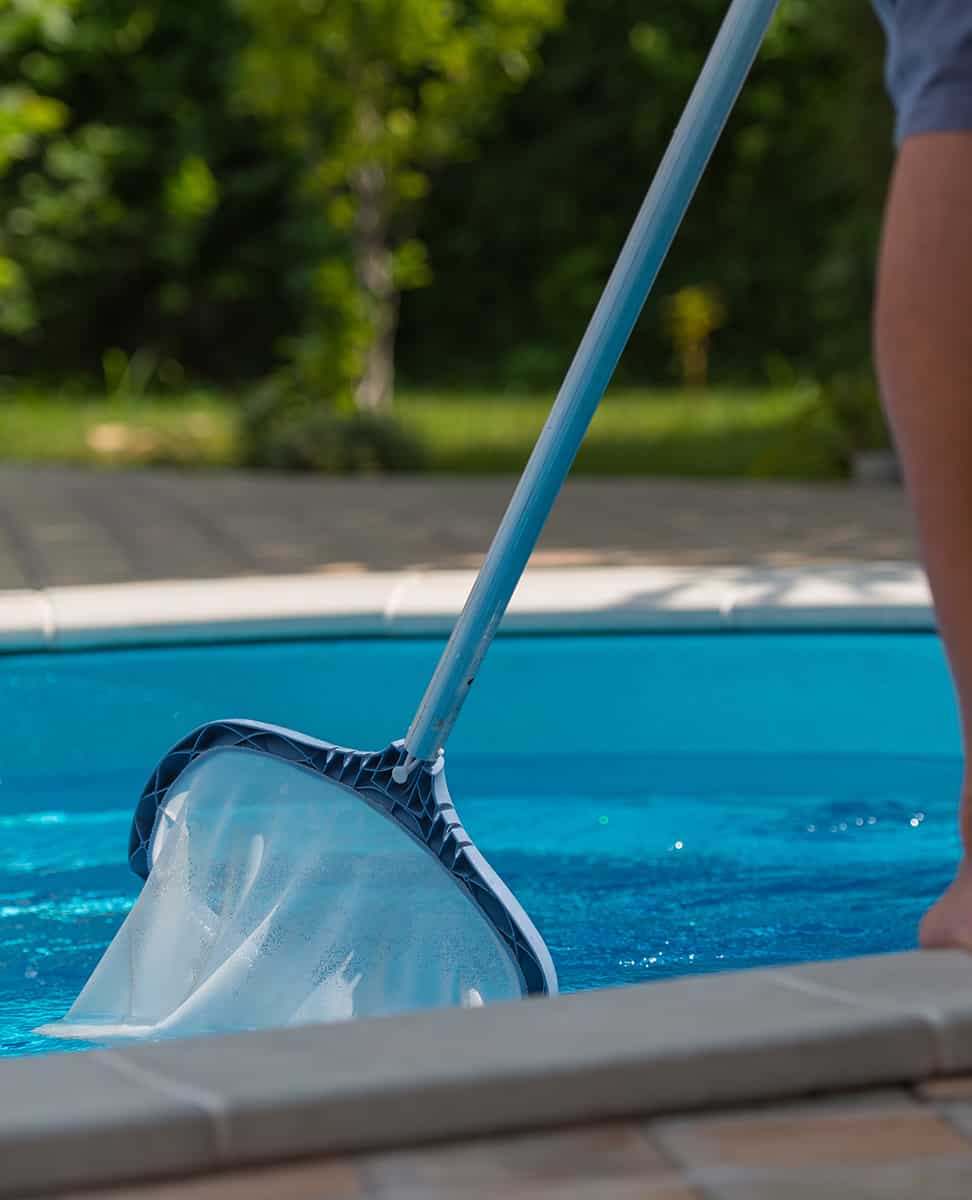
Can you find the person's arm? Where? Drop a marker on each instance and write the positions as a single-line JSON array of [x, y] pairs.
[[923, 339]]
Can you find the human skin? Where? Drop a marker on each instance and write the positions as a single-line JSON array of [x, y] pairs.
[[923, 343]]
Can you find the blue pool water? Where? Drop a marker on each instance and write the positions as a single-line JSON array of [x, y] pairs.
[[660, 805]]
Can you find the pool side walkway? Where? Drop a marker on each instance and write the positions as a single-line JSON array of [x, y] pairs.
[[72, 526], [888, 1144]]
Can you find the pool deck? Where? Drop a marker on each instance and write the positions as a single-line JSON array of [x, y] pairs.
[[65, 527], [847, 1079], [884, 1144]]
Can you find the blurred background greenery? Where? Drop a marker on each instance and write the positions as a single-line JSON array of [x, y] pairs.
[[357, 235]]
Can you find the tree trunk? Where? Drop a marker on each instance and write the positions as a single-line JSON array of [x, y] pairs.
[[373, 265]]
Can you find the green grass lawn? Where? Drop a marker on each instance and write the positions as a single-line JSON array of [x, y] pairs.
[[196, 428], [635, 432]]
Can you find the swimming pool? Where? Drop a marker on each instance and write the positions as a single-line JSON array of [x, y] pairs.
[[661, 804]]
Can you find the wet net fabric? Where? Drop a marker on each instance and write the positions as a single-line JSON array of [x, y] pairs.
[[277, 897]]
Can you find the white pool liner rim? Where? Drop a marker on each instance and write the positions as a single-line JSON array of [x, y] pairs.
[[566, 600]]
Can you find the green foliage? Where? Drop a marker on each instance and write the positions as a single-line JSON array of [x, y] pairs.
[[812, 445], [28, 119], [127, 377], [25, 119], [231, 184], [851, 397], [692, 315], [372, 93], [838, 419], [138, 206], [784, 225], [282, 430]]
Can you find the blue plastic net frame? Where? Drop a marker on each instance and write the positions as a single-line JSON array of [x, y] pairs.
[[421, 807]]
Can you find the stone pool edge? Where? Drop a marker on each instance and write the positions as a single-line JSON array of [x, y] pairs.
[[205, 1105], [870, 596]]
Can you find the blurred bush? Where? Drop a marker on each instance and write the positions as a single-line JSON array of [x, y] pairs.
[[840, 419], [283, 428], [851, 397]]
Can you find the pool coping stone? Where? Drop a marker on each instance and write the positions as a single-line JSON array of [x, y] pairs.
[[26, 621], [566, 600], [182, 1107]]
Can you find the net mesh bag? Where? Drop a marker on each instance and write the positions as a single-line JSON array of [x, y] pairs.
[[277, 897]]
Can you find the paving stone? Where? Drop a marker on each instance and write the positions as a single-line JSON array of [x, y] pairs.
[[64, 525], [563, 1157], [936, 1091], [838, 1137], [300, 1181], [929, 1180]]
